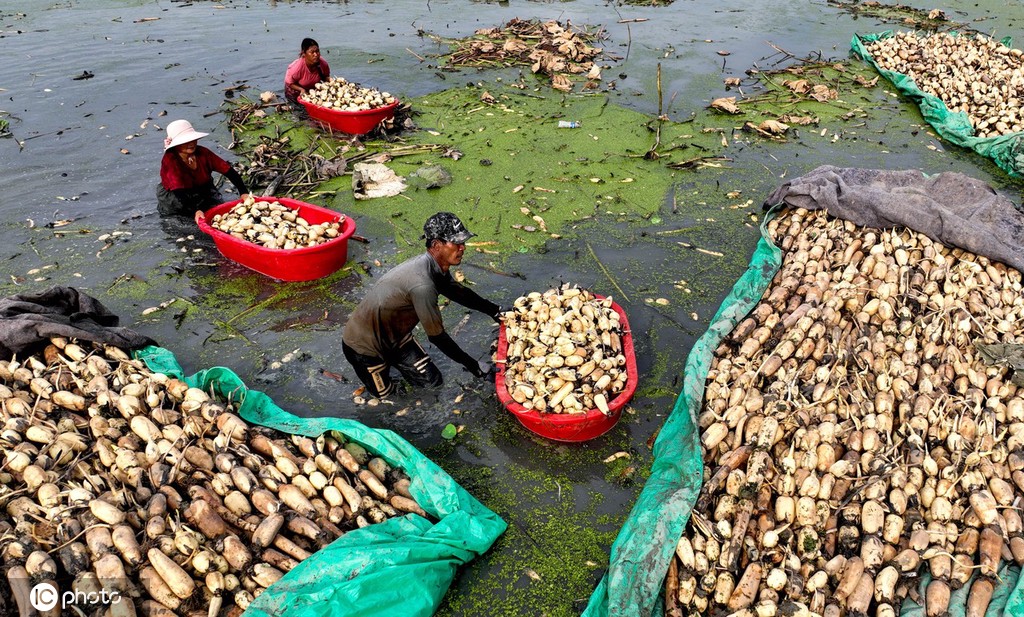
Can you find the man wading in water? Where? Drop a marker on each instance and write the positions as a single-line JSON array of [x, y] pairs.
[[378, 335]]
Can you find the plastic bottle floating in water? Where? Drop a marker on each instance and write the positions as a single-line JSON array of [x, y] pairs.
[[569, 124]]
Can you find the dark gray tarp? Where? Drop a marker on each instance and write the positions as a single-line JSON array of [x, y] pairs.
[[1005, 354], [29, 320], [951, 208]]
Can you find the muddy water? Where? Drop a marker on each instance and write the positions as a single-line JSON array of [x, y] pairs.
[[88, 150]]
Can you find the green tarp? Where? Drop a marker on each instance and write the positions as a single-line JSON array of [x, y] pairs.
[[640, 555], [1000, 606], [400, 567], [1007, 151]]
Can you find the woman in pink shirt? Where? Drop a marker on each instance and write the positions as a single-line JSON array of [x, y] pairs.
[[305, 71]]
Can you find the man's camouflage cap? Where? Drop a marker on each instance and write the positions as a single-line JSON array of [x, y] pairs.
[[446, 226]]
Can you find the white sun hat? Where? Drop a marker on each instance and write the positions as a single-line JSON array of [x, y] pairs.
[[181, 132]]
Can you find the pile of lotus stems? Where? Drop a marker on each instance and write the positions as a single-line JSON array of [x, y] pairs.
[[565, 351], [852, 437], [975, 75], [121, 481]]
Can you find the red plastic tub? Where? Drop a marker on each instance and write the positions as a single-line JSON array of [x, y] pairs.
[[564, 426], [350, 122], [301, 264]]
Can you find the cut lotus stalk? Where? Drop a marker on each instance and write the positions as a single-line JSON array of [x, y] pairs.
[[236, 552], [294, 498], [850, 578], [859, 600], [730, 557], [373, 484], [265, 574], [106, 512], [979, 597], [290, 548], [157, 589], [885, 585], [177, 579], [936, 601], [746, 588], [123, 537], [205, 517], [407, 505], [724, 586], [990, 550], [302, 526], [110, 569], [984, 505]]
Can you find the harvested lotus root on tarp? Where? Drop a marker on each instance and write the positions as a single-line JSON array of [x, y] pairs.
[[122, 480], [853, 437], [976, 75]]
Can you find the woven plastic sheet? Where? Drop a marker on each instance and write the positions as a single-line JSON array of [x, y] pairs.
[[402, 566], [1007, 597], [951, 208], [1007, 151], [641, 553]]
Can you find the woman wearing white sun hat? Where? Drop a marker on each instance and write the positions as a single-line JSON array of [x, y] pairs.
[[186, 173]]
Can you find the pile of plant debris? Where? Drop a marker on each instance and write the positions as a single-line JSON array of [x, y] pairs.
[[284, 155], [548, 48], [921, 19], [645, 2], [794, 93]]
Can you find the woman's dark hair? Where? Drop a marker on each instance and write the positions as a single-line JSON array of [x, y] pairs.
[[307, 43]]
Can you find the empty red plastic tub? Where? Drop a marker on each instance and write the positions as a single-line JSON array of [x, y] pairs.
[[302, 264], [566, 426], [350, 122]]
